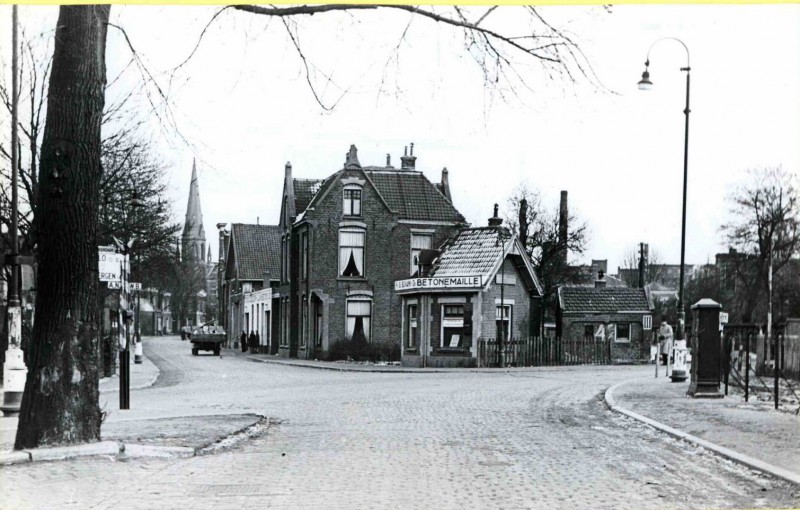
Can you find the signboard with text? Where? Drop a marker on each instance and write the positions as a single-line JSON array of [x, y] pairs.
[[439, 283], [109, 263]]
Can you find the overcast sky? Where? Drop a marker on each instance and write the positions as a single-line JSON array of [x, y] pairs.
[[242, 108]]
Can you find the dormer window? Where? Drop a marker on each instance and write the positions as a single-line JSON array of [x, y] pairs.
[[352, 201]]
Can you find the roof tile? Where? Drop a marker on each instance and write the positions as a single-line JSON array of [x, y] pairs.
[[257, 249], [603, 299]]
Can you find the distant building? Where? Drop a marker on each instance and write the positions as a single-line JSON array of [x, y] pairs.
[[252, 264], [611, 324], [193, 253]]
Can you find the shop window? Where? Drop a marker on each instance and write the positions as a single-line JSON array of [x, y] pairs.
[[453, 326], [352, 201], [623, 332], [502, 317], [351, 253], [412, 338], [419, 242], [359, 320]]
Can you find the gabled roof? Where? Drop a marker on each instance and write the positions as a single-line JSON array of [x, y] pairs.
[[412, 196], [304, 191], [480, 251], [603, 299], [255, 249]]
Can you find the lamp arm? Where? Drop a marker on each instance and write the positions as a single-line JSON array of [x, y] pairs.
[[688, 66]]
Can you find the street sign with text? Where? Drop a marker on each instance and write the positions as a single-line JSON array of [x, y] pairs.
[[114, 284], [109, 263], [134, 286]]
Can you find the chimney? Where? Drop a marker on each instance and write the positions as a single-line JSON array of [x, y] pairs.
[[563, 218], [265, 279], [495, 221], [643, 249], [408, 161], [523, 222], [221, 229], [388, 160], [351, 159], [601, 280], [446, 184]]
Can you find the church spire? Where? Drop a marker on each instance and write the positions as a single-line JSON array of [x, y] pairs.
[[194, 235]]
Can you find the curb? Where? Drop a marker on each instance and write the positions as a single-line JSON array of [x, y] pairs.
[[740, 458], [405, 370], [123, 450]]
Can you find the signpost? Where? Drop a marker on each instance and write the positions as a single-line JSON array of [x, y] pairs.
[[439, 282]]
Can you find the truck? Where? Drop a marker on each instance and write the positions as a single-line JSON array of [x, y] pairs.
[[207, 337]]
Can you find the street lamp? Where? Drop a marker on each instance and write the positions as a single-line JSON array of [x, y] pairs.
[[14, 370], [137, 203], [646, 84]]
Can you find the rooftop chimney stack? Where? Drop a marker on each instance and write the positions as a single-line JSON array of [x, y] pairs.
[[288, 170], [221, 229], [445, 186], [601, 280], [563, 219], [388, 160], [408, 161], [495, 221]]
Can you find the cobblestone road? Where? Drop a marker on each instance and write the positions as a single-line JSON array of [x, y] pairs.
[[535, 439]]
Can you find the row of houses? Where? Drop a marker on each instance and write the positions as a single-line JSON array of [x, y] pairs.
[[379, 257]]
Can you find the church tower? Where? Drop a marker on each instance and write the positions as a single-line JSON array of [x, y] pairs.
[[193, 240]]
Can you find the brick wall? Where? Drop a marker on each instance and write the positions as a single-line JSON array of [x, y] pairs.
[[635, 351], [386, 259]]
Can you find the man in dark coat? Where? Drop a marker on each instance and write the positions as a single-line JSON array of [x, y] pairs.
[[243, 341], [258, 342], [252, 343]]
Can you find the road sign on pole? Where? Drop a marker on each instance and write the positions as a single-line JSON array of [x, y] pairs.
[[108, 263], [134, 286]]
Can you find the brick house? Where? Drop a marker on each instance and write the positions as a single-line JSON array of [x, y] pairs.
[[252, 264], [344, 241], [617, 321], [481, 284]]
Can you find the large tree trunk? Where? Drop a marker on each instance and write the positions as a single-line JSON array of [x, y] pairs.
[[60, 403]]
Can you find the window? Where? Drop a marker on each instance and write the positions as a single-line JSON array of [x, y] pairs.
[[351, 253], [352, 201], [623, 333], [453, 326], [304, 255], [588, 332], [359, 315], [502, 317], [411, 327], [647, 322], [419, 242]]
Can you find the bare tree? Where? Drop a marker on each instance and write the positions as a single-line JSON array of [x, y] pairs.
[[545, 244], [653, 267], [764, 231], [60, 404]]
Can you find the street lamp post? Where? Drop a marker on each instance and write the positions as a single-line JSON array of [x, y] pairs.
[[646, 84], [14, 370]]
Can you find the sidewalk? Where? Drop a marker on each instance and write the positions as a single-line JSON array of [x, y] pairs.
[[142, 376], [754, 429], [139, 435]]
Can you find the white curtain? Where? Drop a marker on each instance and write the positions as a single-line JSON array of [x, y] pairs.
[[351, 245], [359, 311]]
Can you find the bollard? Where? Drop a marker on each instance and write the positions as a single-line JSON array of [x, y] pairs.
[[137, 352]]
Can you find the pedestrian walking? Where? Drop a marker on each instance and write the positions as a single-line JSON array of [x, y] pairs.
[[665, 340], [252, 341], [243, 341], [258, 342]]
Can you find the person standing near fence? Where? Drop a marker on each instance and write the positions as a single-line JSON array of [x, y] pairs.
[[665, 340]]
